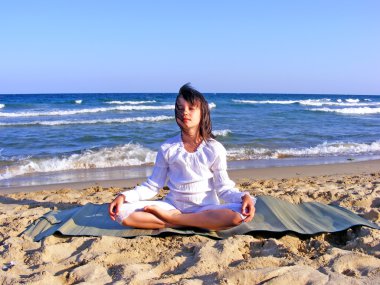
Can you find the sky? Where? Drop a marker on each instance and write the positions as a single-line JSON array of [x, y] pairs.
[[317, 47]]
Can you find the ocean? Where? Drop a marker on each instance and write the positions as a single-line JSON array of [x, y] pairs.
[[56, 138]]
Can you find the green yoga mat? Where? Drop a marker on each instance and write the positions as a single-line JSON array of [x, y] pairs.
[[272, 215]]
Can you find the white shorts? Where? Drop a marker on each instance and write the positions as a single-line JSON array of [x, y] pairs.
[[128, 208]]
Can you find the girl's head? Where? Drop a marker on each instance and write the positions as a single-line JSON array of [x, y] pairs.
[[191, 102]]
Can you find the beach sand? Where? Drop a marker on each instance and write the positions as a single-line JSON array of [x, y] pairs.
[[349, 257]]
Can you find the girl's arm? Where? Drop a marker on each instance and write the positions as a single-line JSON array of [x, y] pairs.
[[145, 191], [154, 183], [226, 190], [224, 186]]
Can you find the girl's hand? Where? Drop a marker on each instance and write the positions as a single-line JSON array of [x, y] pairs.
[[247, 208], [113, 208]]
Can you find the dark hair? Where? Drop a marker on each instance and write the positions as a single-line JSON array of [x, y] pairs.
[[193, 96]]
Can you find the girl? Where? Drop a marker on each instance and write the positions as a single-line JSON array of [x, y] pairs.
[[196, 168]]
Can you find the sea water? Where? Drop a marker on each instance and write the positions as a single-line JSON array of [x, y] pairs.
[[46, 138]]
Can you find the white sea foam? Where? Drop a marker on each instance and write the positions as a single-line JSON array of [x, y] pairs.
[[318, 102], [352, 100], [354, 111], [125, 155], [245, 153], [325, 149], [93, 110], [131, 102], [211, 105], [78, 101], [265, 102], [222, 133], [83, 122], [131, 108], [2, 106], [313, 102], [338, 104], [83, 111]]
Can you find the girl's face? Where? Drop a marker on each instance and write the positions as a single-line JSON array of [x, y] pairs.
[[189, 116]]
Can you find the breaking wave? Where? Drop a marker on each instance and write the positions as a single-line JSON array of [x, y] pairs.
[[93, 110], [83, 122], [355, 111], [265, 102], [130, 102], [222, 133], [315, 102], [125, 155], [83, 111], [321, 150]]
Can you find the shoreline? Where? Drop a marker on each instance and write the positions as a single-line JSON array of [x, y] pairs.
[[237, 175]]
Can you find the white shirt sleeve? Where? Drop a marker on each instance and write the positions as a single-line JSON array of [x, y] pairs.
[[154, 183], [224, 186]]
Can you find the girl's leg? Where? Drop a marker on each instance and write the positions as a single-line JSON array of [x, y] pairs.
[[132, 215], [144, 220], [210, 219]]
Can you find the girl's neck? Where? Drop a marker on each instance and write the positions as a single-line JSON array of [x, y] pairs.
[[191, 137], [191, 141]]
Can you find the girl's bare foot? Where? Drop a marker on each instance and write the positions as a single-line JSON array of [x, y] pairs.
[[165, 215]]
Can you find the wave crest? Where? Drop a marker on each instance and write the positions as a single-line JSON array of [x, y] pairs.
[[325, 149], [83, 111], [355, 111], [315, 102], [285, 102], [93, 110], [222, 133], [125, 155], [130, 102], [83, 122]]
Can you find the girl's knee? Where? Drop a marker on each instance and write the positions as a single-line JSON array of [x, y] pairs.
[[125, 219], [126, 222], [237, 219], [129, 221], [143, 220]]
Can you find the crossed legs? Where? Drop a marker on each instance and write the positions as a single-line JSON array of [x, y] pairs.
[[159, 214], [155, 217], [145, 220], [210, 219]]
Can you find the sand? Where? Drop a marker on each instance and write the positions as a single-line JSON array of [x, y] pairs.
[[349, 257]]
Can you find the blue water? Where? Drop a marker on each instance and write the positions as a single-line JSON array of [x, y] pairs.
[[44, 133]]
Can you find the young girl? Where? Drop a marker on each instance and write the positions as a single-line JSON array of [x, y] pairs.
[[196, 168]]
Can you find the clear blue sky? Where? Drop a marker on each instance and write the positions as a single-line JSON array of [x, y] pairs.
[[219, 46]]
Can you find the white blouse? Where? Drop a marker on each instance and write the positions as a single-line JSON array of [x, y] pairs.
[[194, 179]]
